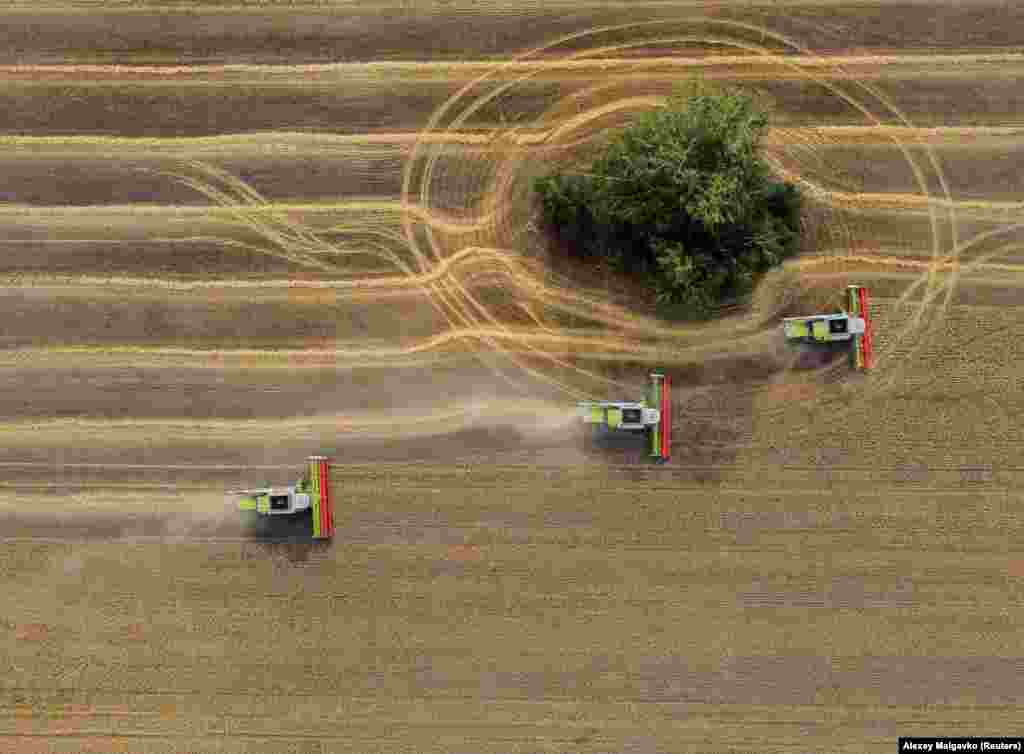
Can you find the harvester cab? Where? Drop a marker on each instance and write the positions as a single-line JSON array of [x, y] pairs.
[[309, 497], [852, 325], [651, 416]]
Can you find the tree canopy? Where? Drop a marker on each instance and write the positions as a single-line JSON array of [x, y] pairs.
[[682, 198]]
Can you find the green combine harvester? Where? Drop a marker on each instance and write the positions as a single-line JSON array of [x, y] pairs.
[[309, 498], [852, 325], [651, 416]]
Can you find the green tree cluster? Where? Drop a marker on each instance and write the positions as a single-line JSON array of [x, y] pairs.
[[684, 199]]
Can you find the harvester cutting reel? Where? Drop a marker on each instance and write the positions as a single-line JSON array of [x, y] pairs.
[[651, 416], [309, 498], [852, 325]]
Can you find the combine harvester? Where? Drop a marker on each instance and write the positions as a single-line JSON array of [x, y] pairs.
[[651, 416], [828, 329], [308, 502]]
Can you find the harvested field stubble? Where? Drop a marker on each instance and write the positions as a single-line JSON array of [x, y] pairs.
[[232, 236]]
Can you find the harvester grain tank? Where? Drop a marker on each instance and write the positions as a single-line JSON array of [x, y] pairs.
[[310, 497], [853, 326], [650, 416]]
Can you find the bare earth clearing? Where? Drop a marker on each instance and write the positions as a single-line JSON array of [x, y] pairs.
[[232, 236]]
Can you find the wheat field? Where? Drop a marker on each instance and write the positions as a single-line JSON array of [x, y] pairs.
[[236, 233]]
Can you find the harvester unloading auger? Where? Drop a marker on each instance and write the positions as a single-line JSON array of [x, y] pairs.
[[651, 416], [854, 325], [310, 497]]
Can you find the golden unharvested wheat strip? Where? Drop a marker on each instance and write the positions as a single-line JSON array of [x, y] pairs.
[[473, 68], [103, 212], [366, 214], [387, 353], [300, 143], [884, 260]]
